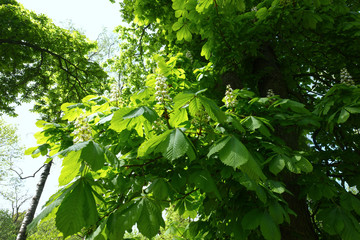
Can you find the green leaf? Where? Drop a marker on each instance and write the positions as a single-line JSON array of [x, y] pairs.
[[203, 5], [277, 164], [70, 168], [303, 164], [57, 199], [177, 117], [252, 219], [195, 107], [36, 151], [117, 122], [253, 123], [203, 180], [353, 110], [241, 5], [182, 99], [262, 13], [177, 26], [184, 33], [269, 229], [252, 169], [94, 155], [178, 4], [276, 211], [77, 210], [74, 148], [151, 144], [160, 189], [206, 50], [145, 111], [124, 219], [218, 145], [150, 219], [332, 220], [234, 153], [309, 20], [275, 186], [91, 152], [177, 145], [212, 109], [344, 115]]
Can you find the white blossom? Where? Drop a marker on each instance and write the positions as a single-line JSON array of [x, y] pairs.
[[345, 77], [230, 97]]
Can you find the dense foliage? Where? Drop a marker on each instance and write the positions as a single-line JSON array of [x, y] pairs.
[[7, 226], [242, 114], [40, 61]]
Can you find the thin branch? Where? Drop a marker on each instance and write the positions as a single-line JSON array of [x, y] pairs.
[[27, 176]]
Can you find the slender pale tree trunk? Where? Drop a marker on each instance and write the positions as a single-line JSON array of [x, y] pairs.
[[34, 203]]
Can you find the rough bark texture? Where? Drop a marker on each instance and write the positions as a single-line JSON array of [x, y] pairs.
[[300, 226], [34, 203]]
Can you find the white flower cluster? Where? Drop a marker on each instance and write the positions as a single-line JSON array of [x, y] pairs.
[[230, 97], [189, 56], [345, 77], [270, 93], [158, 125], [115, 92], [83, 130], [161, 94]]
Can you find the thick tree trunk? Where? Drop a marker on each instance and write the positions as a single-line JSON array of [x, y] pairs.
[[34, 203], [300, 226]]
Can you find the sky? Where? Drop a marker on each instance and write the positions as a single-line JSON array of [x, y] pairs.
[[90, 17]]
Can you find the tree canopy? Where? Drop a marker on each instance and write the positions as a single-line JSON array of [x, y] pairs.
[[43, 62], [243, 115]]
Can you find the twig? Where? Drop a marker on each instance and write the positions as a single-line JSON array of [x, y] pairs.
[[27, 176]]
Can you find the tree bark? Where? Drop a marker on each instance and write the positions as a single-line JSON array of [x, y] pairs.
[[301, 226], [34, 203]]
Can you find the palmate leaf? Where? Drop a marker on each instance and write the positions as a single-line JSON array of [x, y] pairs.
[[231, 151], [77, 210], [52, 204], [212, 109], [130, 118], [252, 123], [253, 169], [277, 164], [203, 180], [173, 144], [203, 5], [150, 219], [145, 111], [144, 212], [195, 107], [178, 117], [123, 219], [90, 152], [160, 189], [252, 219], [182, 99], [177, 145], [269, 229], [70, 168], [150, 145]]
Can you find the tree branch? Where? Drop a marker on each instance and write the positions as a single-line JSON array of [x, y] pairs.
[[21, 177]]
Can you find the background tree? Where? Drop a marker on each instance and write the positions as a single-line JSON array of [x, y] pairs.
[[11, 187], [245, 116], [7, 226], [43, 62]]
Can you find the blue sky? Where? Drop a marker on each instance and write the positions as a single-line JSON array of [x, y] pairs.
[[91, 17]]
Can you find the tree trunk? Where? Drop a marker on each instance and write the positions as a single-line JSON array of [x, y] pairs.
[[34, 203], [301, 226]]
